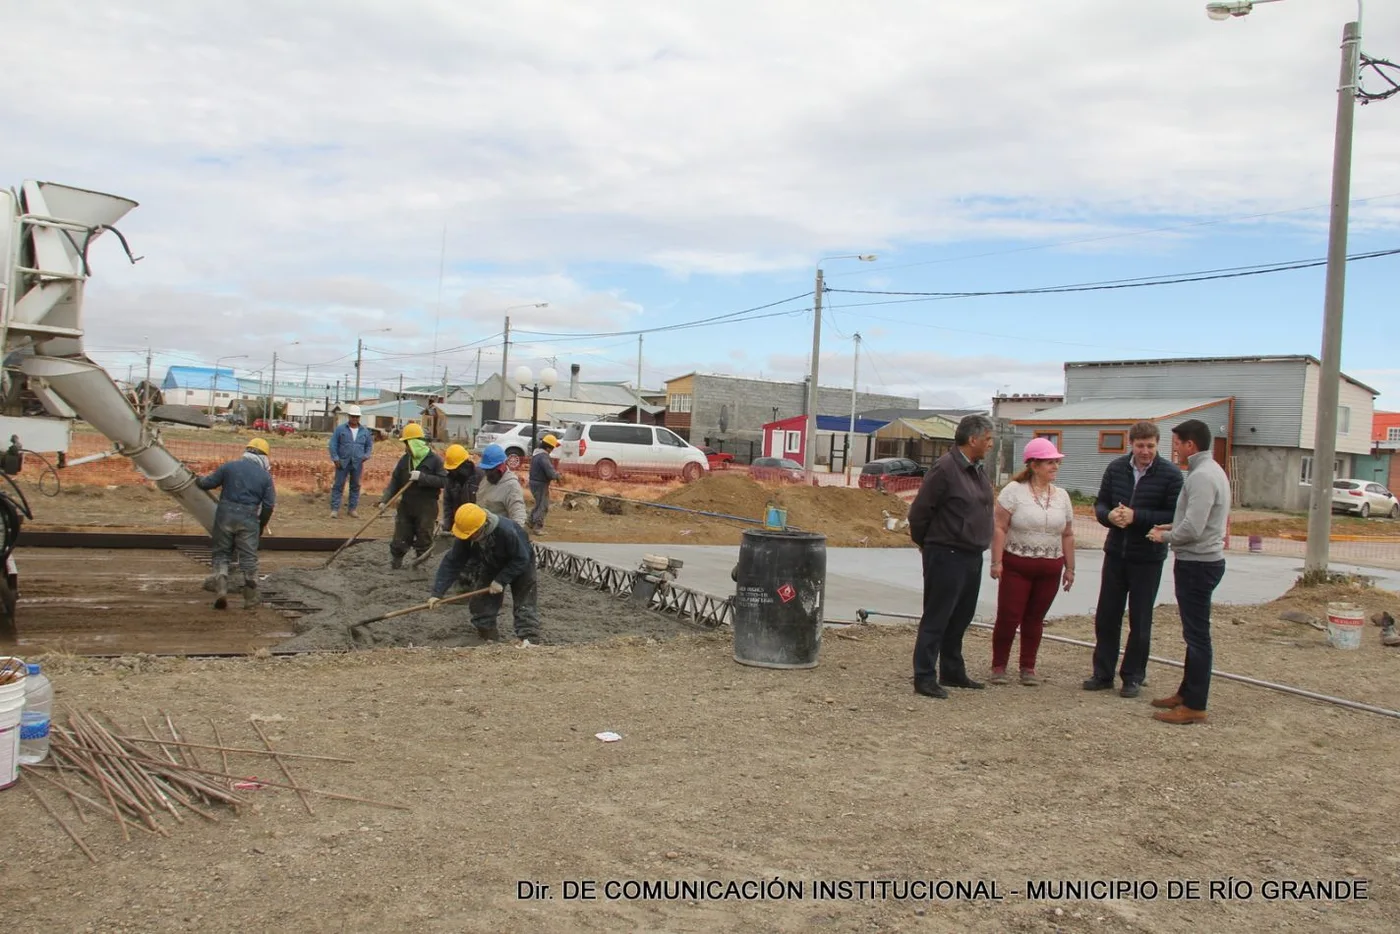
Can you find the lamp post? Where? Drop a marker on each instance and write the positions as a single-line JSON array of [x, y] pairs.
[[359, 356], [213, 387], [270, 413], [809, 446], [505, 355], [525, 380], [855, 381], [1329, 382]]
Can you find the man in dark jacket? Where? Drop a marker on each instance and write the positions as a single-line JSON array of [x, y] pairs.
[[246, 500], [462, 481], [542, 474], [951, 522], [494, 552], [1139, 491], [421, 470]]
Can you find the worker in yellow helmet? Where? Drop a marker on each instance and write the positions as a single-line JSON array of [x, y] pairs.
[[492, 552], [462, 480], [542, 474], [247, 497], [421, 470]]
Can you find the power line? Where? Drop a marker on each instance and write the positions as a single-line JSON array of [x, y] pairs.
[[679, 326]]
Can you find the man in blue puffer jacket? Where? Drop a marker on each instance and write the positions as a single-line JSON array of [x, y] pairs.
[[351, 445], [1139, 491]]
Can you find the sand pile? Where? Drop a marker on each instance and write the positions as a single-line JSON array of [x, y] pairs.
[[360, 585]]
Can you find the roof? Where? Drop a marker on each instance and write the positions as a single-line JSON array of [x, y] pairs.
[[648, 409], [889, 415], [454, 409], [935, 428], [618, 394], [1118, 410], [1266, 358], [200, 377], [397, 408], [836, 423]]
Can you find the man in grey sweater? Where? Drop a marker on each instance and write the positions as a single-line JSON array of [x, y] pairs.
[[1197, 536]]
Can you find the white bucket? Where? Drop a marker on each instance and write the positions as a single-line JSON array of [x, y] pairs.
[[11, 707], [1345, 622]]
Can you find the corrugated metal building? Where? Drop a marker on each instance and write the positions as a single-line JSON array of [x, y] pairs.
[[1268, 439]]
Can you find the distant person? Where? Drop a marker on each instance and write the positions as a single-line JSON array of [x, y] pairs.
[[494, 553], [1139, 491], [1032, 557], [422, 472], [542, 474], [351, 445], [951, 522], [1197, 537], [499, 491], [247, 497]]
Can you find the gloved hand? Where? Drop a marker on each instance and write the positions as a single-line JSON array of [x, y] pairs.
[[495, 588], [433, 602], [413, 477]]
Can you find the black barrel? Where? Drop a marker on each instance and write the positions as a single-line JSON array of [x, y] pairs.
[[780, 584]]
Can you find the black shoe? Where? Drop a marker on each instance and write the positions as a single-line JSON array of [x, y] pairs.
[[963, 682], [489, 635], [1130, 689], [930, 689], [1098, 684]]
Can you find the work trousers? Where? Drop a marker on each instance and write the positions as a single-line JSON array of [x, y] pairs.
[[236, 533], [415, 524], [1130, 584], [540, 493], [342, 474], [952, 580], [1024, 594], [1195, 584], [524, 596]]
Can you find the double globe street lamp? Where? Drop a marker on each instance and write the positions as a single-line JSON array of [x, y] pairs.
[[525, 379]]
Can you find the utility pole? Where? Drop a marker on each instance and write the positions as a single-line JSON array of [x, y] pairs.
[[306, 399], [270, 412], [855, 381], [359, 356], [505, 359], [146, 389], [1329, 383], [639, 380], [809, 445], [398, 420]]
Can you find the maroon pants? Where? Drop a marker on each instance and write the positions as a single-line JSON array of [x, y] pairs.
[[1027, 588]]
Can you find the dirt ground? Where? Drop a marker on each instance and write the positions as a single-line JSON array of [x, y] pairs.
[[732, 773]]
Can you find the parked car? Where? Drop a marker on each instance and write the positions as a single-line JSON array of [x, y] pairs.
[[609, 449], [1364, 499], [284, 428], [260, 424], [719, 460], [513, 436], [874, 473], [781, 469]]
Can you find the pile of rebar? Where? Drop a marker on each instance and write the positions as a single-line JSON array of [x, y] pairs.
[[138, 781]]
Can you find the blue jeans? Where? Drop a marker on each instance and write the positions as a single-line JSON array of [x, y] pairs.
[[236, 531], [1195, 584], [351, 473]]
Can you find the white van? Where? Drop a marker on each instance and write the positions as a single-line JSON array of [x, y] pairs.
[[513, 436], [610, 449]]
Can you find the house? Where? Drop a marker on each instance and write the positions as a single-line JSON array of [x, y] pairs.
[[711, 408], [449, 421], [1019, 405], [787, 438], [220, 390], [1260, 409], [650, 415], [387, 416], [920, 439], [1001, 461], [574, 400], [1382, 465]]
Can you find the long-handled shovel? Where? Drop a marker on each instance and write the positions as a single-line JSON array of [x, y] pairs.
[[416, 608], [372, 519]]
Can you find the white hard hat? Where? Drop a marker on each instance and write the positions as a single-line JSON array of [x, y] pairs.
[[352, 410]]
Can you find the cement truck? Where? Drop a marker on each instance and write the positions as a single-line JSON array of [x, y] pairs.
[[47, 233]]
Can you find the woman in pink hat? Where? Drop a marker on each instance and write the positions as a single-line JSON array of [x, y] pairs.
[[1032, 557]]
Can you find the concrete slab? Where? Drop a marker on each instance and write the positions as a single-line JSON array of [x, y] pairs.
[[891, 579]]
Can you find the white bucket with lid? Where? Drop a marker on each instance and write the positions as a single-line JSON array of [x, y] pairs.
[[11, 707], [1345, 623]]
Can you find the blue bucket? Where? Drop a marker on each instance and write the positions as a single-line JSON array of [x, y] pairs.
[[775, 518]]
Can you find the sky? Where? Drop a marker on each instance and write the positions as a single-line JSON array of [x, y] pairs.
[[310, 173]]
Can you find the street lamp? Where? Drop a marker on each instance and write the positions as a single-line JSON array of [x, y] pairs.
[[505, 356], [270, 412], [359, 356], [1329, 382], [215, 384], [809, 446], [524, 378]]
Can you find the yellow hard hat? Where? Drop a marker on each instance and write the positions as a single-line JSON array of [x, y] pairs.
[[259, 445], [454, 456], [468, 521], [550, 440], [412, 430]]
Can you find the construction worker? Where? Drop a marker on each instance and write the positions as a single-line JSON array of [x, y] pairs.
[[462, 480], [500, 492], [542, 473], [491, 552], [246, 499], [420, 469], [351, 445]]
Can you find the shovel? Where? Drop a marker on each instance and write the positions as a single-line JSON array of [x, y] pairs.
[[433, 549], [418, 607], [382, 509]]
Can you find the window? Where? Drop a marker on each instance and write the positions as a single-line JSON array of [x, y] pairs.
[[620, 434], [668, 439], [680, 402], [1113, 442], [792, 442], [1306, 474], [1343, 419], [1392, 434], [1054, 436]]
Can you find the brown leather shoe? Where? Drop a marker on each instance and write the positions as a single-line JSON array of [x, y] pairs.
[[1168, 703], [1180, 715]]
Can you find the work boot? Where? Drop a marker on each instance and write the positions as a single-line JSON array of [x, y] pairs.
[[491, 634], [1389, 636], [335, 513], [396, 562], [534, 638], [353, 514], [250, 597], [220, 591]]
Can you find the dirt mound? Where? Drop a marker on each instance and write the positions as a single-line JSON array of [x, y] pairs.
[[732, 494], [361, 585], [1314, 600]]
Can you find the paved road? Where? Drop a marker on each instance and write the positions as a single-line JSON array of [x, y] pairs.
[[890, 579]]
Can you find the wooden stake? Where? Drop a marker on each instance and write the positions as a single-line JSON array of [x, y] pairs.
[[250, 750], [281, 765], [62, 823], [223, 750]]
